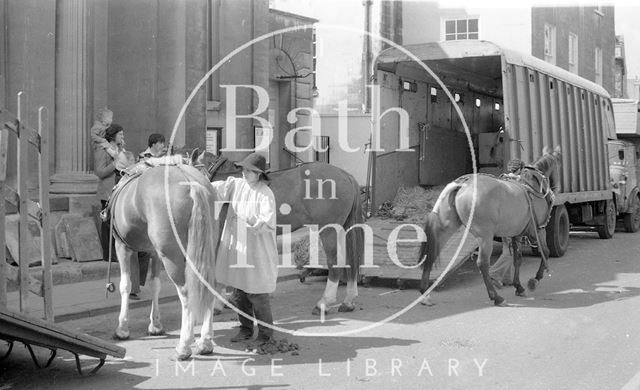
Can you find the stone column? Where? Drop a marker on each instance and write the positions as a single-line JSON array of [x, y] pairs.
[[74, 98], [73, 68]]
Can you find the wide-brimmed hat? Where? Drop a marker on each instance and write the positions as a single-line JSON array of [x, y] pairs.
[[255, 162]]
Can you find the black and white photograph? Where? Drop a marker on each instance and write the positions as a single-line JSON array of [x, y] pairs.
[[319, 194]]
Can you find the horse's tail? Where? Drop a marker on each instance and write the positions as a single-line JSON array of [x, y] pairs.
[[200, 251], [355, 237], [431, 247]]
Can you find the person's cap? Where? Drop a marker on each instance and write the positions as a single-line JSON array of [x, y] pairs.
[[254, 162]]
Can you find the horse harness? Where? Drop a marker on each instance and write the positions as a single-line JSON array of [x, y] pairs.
[[535, 184], [213, 168]]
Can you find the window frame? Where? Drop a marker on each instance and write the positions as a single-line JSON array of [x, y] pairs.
[[573, 53], [456, 33], [550, 47], [598, 65]]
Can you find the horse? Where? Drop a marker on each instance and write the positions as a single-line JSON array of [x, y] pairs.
[[301, 200], [503, 208], [168, 211]]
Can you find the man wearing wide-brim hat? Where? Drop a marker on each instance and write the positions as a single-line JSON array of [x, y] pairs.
[[247, 257], [255, 162]]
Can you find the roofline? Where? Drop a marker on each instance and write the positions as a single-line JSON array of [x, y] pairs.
[[290, 14], [624, 100], [479, 48]]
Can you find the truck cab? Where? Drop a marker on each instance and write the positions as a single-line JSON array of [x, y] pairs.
[[624, 160]]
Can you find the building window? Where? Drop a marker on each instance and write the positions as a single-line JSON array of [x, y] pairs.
[[598, 66], [573, 53], [214, 140], [460, 29], [322, 143], [550, 43], [260, 133]]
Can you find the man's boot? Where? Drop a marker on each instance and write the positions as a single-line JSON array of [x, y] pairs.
[[243, 335], [262, 312], [246, 324]]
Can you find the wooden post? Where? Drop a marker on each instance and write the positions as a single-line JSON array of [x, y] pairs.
[[23, 231], [4, 140], [45, 228]]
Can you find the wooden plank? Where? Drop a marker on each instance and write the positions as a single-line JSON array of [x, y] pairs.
[[35, 286], [32, 247], [33, 209], [4, 144], [82, 238], [3, 253], [23, 230], [4, 140], [45, 228], [10, 122], [56, 336]]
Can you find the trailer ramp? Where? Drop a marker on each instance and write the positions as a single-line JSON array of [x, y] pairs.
[[33, 331]]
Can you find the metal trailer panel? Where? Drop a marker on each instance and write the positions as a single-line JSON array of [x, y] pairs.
[[543, 105], [541, 110], [626, 113]]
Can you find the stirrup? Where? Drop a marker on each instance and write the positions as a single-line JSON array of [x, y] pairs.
[[104, 215]]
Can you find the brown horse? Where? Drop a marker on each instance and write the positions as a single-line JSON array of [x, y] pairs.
[[168, 211], [503, 208], [312, 194]]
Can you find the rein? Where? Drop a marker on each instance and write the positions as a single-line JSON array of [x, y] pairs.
[[536, 228]]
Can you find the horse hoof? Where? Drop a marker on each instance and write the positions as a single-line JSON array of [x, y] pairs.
[[426, 301], [346, 307], [121, 335], [499, 301], [153, 331], [302, 279], [532, 284], [204, 348], [182, 356], [217, 312], [316, 311], [521, 293]]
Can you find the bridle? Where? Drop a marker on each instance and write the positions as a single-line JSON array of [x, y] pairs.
[[210, 170]]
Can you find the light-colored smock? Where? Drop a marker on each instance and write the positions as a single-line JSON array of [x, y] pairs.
[[253, 207]]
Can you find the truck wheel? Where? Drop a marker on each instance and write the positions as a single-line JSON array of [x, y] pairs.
[[632, 219], [606, 230], [558, 231]]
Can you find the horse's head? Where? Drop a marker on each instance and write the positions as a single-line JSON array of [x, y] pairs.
[[204, 161], [213, 166], [549, 164]]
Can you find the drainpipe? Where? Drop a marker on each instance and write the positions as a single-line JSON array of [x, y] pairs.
[[367, 55], [371, 166]]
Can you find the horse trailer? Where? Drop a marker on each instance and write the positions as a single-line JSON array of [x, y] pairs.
[[513, 105]]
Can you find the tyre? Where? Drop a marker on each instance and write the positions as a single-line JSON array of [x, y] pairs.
[[632, 218], [606, 230], [558, 231]]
